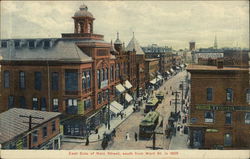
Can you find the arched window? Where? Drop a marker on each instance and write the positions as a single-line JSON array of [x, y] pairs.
[[6, 79], [89, 28]]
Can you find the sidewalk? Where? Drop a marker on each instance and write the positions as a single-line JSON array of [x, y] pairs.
[[113, 124]]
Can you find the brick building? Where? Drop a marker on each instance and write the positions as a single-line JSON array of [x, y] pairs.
[[15, 133], [220, 110], [163, 54], [75, 75]]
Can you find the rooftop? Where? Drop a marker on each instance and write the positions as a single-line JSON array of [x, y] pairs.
[[194, 67], [12, 125], [133, 45]]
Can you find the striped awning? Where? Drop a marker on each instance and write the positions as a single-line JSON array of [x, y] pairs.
[[120, 88], [128, 97]]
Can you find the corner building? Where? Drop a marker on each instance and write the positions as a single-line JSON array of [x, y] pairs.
[[220, 110], [75, 75]]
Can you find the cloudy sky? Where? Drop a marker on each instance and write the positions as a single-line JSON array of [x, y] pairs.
[[170, 23]]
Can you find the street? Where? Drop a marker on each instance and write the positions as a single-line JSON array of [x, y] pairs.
[[131, 124]]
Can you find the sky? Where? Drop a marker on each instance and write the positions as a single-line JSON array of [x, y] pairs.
[[166, 23]]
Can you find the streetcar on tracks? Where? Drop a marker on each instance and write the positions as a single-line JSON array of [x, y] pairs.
[[160, 96], [148, 125], [151, 105]]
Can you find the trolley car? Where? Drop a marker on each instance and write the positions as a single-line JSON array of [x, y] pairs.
[[148, 125], [151, 105]]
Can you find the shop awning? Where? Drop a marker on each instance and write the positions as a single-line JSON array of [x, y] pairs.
[[127, 84], [159, 77], [117, 106], [171, 70], [114, 109], [177, 67], [153, 81], [128, 97], [120, 88], [182, 65], [168, 72]]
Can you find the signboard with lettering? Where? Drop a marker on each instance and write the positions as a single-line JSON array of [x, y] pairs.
[[222, 108], [80, 105], [212, 130]]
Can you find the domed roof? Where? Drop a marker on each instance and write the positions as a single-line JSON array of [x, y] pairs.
[[83, 12]]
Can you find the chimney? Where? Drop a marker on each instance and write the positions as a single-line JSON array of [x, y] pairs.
[[219, 63]]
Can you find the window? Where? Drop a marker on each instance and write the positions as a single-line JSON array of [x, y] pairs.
[[111, 73], [99, 97], [228, 119], [55, 81], [228, 139], [247, 118], [53, 126], [84, 81], [209, 117], [104, 74], [46, 44], [88, 79], [55, 105], [209, 94], [87, 104], [32, 44], [6, 79], [34, 136], [71, 80], [98, 78], [72, 102], [35, 103], [38, 80], [17, 44], [248, 96], [107, 73], [44, 131], [25, 143], [229, 94], [22, 80], [4, 44], [43, 104], [11, 102], [22, 102], [101, 74]]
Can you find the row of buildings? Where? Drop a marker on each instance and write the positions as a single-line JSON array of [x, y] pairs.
[[78, 75]]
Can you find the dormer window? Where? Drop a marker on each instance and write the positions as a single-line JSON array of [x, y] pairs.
[[31, 44], [4, 44], [17, 44], [46, 44]]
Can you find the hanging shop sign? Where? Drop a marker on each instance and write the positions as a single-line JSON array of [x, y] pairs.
[[212, 130]]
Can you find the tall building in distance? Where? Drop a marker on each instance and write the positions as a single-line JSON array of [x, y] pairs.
[[191, 45], [215, 43]]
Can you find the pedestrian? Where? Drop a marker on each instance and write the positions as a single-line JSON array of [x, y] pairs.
[[121, 116], [96, 131], [170, 87], [136, 136], [170, 102], [127, 136], [106, 124], [98, 136], [114, 131]]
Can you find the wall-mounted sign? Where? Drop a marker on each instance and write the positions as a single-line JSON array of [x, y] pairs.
[[212, 130], [222, 108]]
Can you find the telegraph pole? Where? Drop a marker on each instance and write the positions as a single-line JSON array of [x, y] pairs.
[[176, 98], [30, 125], [182, 90]]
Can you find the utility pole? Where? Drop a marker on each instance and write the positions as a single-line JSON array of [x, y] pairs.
[[30, 125], [176, 98], [182, 90]]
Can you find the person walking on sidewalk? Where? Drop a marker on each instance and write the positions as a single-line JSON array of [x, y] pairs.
[[136, 136], [127, 136]]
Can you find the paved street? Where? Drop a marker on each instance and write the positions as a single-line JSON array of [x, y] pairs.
[[131, 125]]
